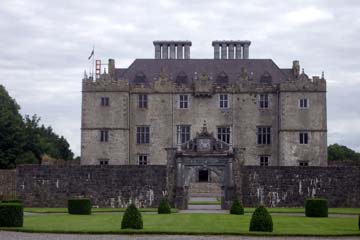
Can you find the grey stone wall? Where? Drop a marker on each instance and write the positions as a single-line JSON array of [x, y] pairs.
[[290, 186], [7, 184], [106, 186]]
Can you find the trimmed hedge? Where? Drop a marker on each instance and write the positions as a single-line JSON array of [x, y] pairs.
[[316, 207], [237, 208], [164, 207], [261, 220], [80, 206], [132, 218], [11, 215], [12, 201]]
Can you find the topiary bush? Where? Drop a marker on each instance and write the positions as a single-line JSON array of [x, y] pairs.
[[11, 215], [237, 208], [316, 207], [164, 207], [81, 206], [132, 218], [261, 220]]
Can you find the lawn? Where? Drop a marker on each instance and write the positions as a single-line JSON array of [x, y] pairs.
[[355, 211], [188, 224]]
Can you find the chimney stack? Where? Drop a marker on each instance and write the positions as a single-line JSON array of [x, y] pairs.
[[296, 68], [231, 49], [111, 68], [172, 49]]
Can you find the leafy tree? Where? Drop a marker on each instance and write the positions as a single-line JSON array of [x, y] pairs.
[[23, 140], [338, 152], [12, 138]]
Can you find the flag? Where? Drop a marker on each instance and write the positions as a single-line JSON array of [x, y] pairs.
[[91, 54]]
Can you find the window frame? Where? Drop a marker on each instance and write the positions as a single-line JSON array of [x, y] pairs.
[[105, 101], [104, 162], [184, 103], [143, 134], [224, 134], [104, 135], [303, 163], [224, 103], [264, 135], [180, 133], [264, 160], [143, 101], [264, 101], [303, 138], [304, 103], [143, 159]]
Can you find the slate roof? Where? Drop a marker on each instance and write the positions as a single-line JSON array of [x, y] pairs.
[[145, 70]]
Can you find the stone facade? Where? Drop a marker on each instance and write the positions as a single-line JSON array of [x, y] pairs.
[[245, 83], [116, 186], [7, 184]]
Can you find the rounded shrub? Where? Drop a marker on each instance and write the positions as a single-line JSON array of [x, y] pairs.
[[11, 215], [316, 207], [132, 218], [261, 220], [164, 207], [81, 206], [237, 208]]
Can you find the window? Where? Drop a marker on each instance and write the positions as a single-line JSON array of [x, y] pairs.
[[143, 159], [264, 101], [303, 138], [264, 160], [183, 134], [104, 135], [303, 103], [143, 101], [223, 134], [183, 101], [223, 101], [142, 134], [104, 161], [264, 135], [303, 163], [105, 101]]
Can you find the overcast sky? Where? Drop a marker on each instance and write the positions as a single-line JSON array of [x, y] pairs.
[[44, 47]]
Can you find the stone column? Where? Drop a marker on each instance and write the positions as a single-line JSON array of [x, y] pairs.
[[187, 51], [238, 51], [216, 51], [164, 51], [246, 51], [231, 51], [172, 51], [157, 51], [223, 51], [180, 52]]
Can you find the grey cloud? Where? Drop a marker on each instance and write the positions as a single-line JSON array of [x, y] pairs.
[[45, 44]]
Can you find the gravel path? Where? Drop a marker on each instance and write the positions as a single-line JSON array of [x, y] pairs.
[[34, 236]]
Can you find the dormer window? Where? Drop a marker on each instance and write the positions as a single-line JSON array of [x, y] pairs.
[[181, 78], [139, 78], [222, 79]]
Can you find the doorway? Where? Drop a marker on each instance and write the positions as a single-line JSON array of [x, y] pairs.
[[203, 175]]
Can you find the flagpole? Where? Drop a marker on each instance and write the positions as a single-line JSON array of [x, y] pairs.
[[93, 63]]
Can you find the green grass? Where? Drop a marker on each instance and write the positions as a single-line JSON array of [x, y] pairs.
[[189, 224], [94, 210]]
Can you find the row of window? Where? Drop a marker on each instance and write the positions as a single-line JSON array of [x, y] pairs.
[[184, 101], [143, 159], [183, 135]]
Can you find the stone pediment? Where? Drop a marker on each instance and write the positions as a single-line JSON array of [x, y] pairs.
[[204, 143]]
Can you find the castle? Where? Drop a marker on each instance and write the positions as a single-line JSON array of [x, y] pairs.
[[272, 116]]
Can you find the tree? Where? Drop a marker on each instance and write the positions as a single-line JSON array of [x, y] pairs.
[[12, 138], [23, 140], [338, 152]]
